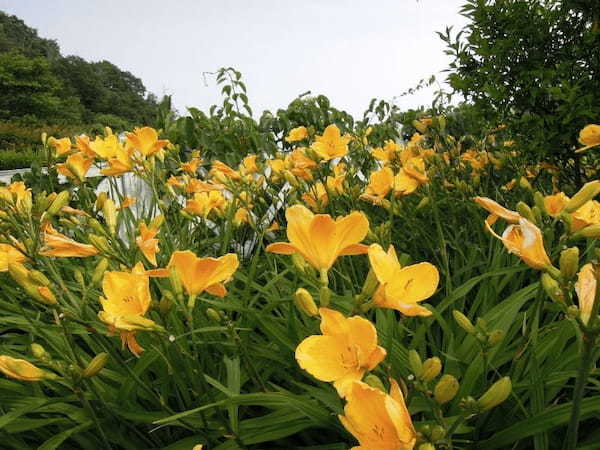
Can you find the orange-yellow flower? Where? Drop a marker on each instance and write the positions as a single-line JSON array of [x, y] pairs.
[[20, 369], [76, 166], [118, 164], [589, 136], [61, 146], [331, 144], [388, 153], [401, 288], [126, 300], [191, 166], [195, 185], [297, 134], [343, 353], [204, 203], [404, 184], [146, 141], [377, 420], [127, 202], [316, 197], [204, 274], [222, 172], [248, 165], [554, 204], [321, 239], [586, 215], [57, 244], [9, 255], [147, 243], [380, 183], [526, 241]]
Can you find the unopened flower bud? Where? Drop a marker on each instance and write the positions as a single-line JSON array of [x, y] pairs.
[[157, 222], [96, 226], [464, 322], [38, 277], [291, 178], [590, 232], [423, 203], [496, 394], [431, 368], [100, 199], [299, 262], [445, 389], [415, 363], [495, 336], [214, 315], [45, 295], [525, 211], [305, 302], [57, 204], [100, 243], [585, 194], [324, 296], [375, 382], [78, 275], [525, 184], [569, 263], [95, 365], [552, 288], [99, 271], [109, 210], [39, 352], [426, 446], [437, 433], [538, 199], [175, 282]]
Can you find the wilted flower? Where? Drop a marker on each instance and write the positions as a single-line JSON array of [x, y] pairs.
[[20, 369], [586, 287], [57, 244]]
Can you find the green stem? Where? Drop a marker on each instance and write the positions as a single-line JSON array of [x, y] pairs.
[[587, 360]]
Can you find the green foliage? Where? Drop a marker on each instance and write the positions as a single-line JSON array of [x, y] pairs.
[[534, 66]]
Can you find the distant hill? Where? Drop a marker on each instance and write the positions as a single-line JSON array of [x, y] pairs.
[[41, 86]]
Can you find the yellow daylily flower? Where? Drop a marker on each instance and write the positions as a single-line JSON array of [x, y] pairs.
[[147, 243], [388, 153], [191, 166], [204, 274], [586, 215], [404, 184], [242, 215], [346, 350], [16, 193], [321, 239], [526, 241], [126, 300], [76, 166], [118, 164], [589, 136], [377, 420], [61, 146], [586, 287], [57, 244], [316, 197], [331, 144], [296, 134], [401, 288], [203, 203], [554, 204], [195, 185], [9, 255], [106, 148], [222, 172], [146, 141], [380, 183], [20, 369], [248, 165]]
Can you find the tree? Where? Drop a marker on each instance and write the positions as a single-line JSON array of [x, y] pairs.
[[533, 65]]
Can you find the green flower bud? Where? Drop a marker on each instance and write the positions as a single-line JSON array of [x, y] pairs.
[[538, 199], [95, 365], [39, 278], [525, 211], [109, 210], [375, 382], [426, 446], [552, 288], [569, 263], [464, 322], [496, 394], [78, 275], [370, 284], [437, 433], [324, 296], [305, 302], [415, 363], [495, 336], [585, 194], [100, 243], [525, 184], [423, 203], [39, 352], [61, 200], [175, 282], [214, 315], [590, 232], [445, 389], [99, 271], [431, 368]]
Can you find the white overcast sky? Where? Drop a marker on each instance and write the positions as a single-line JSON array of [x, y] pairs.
[[348, 50]]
